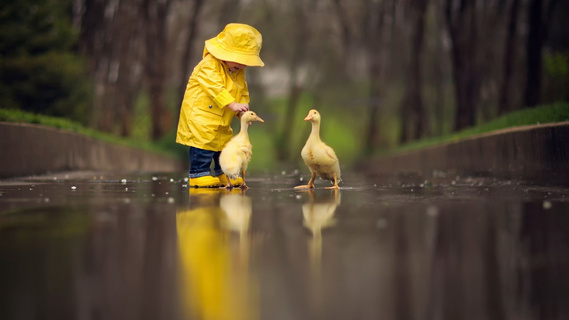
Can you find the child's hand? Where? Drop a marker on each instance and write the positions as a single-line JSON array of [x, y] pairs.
[[238, 107]]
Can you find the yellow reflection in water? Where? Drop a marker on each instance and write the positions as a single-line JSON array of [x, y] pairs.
[[318, 215], [215, 279]]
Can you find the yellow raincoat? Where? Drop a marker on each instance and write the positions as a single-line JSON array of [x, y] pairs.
[[204, 117]]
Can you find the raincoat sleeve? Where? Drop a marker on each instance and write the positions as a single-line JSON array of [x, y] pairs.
[[245, 93], [211, 81]]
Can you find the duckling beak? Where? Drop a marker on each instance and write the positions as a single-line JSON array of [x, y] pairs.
[[259, 119], [308, 118]]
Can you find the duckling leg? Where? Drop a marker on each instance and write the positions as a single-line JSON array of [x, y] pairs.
[[225, 182], [310, 184], [243, 186], [335, 186]]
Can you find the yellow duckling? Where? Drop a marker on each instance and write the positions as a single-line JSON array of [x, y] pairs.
[[236, 154], [320, 158]]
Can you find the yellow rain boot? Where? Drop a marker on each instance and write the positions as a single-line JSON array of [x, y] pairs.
[[205, 182], [234, 182]]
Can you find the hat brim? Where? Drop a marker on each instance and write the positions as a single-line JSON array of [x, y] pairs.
[[251, 60]]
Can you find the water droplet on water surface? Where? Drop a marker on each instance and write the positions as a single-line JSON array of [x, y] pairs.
[[547, 205]]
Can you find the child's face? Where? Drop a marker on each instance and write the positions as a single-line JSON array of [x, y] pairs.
[[234, 66]]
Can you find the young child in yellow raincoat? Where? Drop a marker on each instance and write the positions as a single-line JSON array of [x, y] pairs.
[[216, 93]]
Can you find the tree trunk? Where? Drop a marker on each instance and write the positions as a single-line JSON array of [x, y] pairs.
[[155, 16], [128, 81], [110, 41], [413, 116], [438, 76], [295, 88], [461, 26], [509, 59], [187, 55], [374, 38], [533, 51], [537, 25], [343, 21], [94, 43]]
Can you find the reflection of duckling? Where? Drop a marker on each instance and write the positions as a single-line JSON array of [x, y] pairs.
[[320, 158], [317, 216], [236, 154], [237, 209]]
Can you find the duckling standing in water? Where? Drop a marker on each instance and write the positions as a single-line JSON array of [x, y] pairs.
[[236, 154], [319, 157]]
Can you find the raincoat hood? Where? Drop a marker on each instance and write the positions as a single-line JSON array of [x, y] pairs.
[[237, 42]]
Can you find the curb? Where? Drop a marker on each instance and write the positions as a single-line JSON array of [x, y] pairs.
[[29, 149], [538, 154]]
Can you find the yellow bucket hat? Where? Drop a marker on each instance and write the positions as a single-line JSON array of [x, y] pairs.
[[239, 43]]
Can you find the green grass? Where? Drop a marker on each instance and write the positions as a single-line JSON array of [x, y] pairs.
[[558, 112], [9, 115]]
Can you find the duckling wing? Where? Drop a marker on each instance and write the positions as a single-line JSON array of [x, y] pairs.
[[324, 155]]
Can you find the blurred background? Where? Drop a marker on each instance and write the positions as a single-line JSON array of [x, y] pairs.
[[382, 73]]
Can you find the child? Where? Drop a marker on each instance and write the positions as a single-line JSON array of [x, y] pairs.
[[216, 92]]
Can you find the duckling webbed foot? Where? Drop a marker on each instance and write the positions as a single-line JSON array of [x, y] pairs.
[[335, 186], [310, 184], [306, 186]]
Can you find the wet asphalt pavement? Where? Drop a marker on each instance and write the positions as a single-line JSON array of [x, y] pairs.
[[145, 246]]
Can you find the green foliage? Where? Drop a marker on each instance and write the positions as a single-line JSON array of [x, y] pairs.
[[263, 159], [38, 69], [142, 122], [341, 138], [556, 70], [558, 112], [8, 115], [556, 64]]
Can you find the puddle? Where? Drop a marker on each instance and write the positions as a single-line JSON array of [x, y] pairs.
[[124, 246]]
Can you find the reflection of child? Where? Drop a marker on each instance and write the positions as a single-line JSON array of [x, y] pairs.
[[216, 92]]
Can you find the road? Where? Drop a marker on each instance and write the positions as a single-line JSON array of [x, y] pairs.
[[99, 245]]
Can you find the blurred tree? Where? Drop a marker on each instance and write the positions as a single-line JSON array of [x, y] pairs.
[[38, 68], [301, 35], [388, 62], [127, 59], [437, 67], [110, 37], [509, 57], [228, 11], [556, 57], [539, 17], [375, 14], [413, 116], [187, 57], [460, 17], [155, 14]]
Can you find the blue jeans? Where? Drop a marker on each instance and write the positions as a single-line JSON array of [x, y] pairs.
[[200, 162]]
